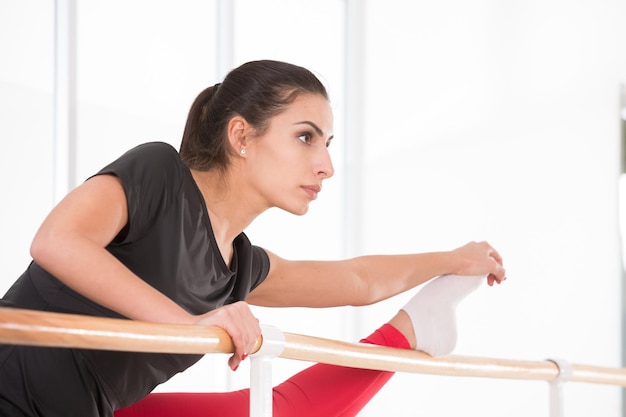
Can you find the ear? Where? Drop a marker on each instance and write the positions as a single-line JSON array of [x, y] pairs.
[[237, 129]]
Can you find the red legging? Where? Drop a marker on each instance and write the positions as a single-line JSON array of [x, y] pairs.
[[321, 390]]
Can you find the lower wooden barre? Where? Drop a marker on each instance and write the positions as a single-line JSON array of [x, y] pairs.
[[598, 375], [307, 348], [37, 328], [400, 360]]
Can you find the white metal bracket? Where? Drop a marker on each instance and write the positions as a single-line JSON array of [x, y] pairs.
[[261, 385], [556, 386]]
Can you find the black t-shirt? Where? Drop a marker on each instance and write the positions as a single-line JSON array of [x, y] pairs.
[[169, 243]]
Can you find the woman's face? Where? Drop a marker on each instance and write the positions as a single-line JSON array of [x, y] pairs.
[[290, 160]]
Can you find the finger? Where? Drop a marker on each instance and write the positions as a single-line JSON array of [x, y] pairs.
[[501, 276], [244, 329], [241, 351], [496, 256], [233, 362], [244, 343], [251, 330], [497, 270]]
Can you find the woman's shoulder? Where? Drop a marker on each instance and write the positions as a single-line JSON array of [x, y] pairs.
[[146, 157], [149, 171], [159, 151], [152, 176]]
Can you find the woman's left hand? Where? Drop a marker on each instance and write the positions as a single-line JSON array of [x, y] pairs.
[[478, 258]]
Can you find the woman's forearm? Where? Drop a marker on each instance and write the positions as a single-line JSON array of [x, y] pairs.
[[92, 271], [384, 276]]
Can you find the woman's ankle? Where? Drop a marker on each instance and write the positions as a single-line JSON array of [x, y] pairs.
[[402, 322]]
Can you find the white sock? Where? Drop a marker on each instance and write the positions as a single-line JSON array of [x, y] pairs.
[[433, 311]]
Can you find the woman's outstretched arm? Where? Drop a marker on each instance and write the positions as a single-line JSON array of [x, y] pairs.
[[368, 279]]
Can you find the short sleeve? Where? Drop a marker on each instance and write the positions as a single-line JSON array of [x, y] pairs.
[[151, 176], [262, 263], [252, 266]]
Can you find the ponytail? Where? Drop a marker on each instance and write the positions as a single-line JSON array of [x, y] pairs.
[[201, 146]]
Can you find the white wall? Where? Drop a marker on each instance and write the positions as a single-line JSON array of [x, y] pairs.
[[26, 129], [484, 120], [502, 123]]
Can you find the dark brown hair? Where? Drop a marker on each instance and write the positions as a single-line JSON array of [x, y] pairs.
[[257, 91]]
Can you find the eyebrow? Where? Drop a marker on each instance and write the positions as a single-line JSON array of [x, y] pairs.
[[315, 127]]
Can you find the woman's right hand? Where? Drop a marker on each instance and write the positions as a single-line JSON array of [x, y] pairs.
[[242, 326]]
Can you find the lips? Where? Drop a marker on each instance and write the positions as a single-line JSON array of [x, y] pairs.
[[312, 190]]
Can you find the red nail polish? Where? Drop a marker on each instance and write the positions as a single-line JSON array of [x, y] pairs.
[[244, 356], [235, 368]]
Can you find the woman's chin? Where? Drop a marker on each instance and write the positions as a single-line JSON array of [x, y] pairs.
[[298, 211]]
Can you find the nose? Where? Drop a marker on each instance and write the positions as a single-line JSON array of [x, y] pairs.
[[325, 167]]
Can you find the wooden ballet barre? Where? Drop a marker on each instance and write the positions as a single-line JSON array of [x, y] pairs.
[[37, 328], [312, 349]]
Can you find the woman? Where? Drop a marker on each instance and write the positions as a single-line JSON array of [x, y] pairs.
[[157, 236]]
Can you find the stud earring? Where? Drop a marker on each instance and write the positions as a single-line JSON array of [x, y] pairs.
[[243, 151]]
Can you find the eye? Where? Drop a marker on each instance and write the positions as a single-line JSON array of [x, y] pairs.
[[328, 142], [306, 137]]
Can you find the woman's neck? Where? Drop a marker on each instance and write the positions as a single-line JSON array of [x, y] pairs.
[[229, 211]]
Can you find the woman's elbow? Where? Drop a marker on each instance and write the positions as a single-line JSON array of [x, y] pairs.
[[44, 246]]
